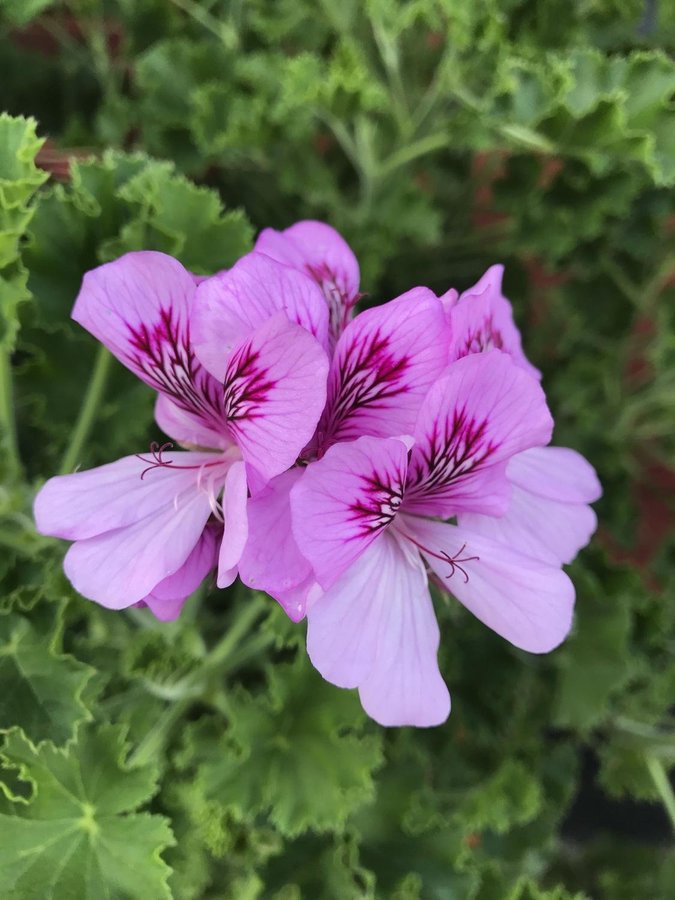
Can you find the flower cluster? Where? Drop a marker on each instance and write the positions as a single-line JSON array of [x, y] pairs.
[[335, 461]]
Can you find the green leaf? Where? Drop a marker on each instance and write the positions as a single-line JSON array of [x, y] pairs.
[[42, 688], [79, 835], [297, 752]]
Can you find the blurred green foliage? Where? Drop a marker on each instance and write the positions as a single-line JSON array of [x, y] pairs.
[[205, 758]]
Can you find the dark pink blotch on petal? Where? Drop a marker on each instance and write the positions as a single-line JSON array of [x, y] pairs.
[[343, 501], [139, 306], [274, 391], [384, 364], [478, 415], [482, 319]]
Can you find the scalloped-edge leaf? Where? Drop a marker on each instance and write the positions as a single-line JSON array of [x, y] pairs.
[[41, 688], [80, 834]]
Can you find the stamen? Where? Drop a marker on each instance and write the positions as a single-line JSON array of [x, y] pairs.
[[455, 562], [157, 462]]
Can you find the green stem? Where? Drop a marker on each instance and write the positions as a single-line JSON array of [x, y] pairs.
[[662, 784], [215, 660], [88, 411], [413, 151], [7, 419]]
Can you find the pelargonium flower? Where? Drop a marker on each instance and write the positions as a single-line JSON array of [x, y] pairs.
[[367, 517], [384, 363], [148, 528]]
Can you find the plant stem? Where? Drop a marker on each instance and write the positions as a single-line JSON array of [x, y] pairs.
[[662, 784], [415, 150], [7, 420], [88, 411], [215, 659]]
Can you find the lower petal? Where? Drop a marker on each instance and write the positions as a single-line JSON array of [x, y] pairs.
[[272, 561], [121, 567], [375, 629], [527, 601], [235, 524], [167, 599], [538, 526], [555, 472]]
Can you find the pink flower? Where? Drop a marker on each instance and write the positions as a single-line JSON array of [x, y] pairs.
[[367, 514], [384, 363], [148, 528]]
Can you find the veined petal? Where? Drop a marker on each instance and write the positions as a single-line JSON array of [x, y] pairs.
[[235, 524], [482, 319], [548, 516], [385, 362], [231, 305], [375, 629], [525, 600], [477, 416], [121, 567], [86, 504], [188, 428], [274, 391], [296, 600], [558, 473], [168, 598], [317, 249], [272, 561], [538, 526], [139, 307], [344, 501]]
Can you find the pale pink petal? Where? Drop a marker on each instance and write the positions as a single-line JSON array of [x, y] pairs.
[[296, 600], [385, 362], [139, 307], [375, 629], [230, 306], [538, 526], [482, 319], [274, 392], [557, 473], [187, 428], [168, 598], [345, 500], [482, 412], [121, 493], [121, 567], [235, 527], [527, 601], [449, 299], [272, 561], [317, 249]]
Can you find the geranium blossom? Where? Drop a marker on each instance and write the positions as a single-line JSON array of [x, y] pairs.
[[330, 459], [367, 518], [383, 365], [143, 526]]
